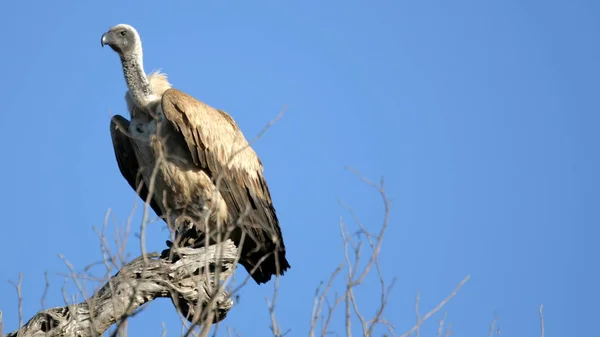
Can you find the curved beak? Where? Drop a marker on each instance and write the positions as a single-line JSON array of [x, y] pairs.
[[106, 39]]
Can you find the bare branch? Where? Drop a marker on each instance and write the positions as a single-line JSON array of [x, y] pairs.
[[318, 304], [542, 319], [140, 282], [437, 308], [20, 295], [45, 291], [492, 326], [441, 325], [275, 328], [419, 321]]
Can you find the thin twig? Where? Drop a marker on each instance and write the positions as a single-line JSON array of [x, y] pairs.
[[492, 326], [542, 319], [43, 300], [441, 325], [419, 321], [18, 287], [438, 307]]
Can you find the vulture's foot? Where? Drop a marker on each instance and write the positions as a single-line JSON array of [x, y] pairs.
[[190, 238], [170, 253]]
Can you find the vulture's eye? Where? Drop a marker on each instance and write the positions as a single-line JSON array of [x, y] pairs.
[[123, 32]]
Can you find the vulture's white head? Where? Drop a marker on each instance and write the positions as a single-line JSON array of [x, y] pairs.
[[123, 39]]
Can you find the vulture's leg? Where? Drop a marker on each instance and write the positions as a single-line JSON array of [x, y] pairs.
[[181, 235]]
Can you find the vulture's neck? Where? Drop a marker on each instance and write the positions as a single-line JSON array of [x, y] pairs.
[[137, 81]]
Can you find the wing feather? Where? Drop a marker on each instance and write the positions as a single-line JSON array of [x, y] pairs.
[[218, 147], [127, 161]]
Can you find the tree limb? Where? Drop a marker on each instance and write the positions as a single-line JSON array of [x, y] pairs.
[[183, 279]]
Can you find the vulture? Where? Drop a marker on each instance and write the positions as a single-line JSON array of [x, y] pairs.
[[207, 180]]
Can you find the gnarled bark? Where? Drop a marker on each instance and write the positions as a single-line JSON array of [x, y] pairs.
[[183, 279]]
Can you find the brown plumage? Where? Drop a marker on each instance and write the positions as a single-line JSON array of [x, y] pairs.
[[195, 148]]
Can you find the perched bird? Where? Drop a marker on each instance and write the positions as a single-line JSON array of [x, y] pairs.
[[206, 177]]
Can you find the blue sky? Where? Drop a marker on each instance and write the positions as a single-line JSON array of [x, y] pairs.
[[481, 115]]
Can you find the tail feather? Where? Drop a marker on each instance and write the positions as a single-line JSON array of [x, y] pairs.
[[273, 264]]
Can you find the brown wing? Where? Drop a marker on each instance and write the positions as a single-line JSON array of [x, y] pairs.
[[127, 161], [213, 139]]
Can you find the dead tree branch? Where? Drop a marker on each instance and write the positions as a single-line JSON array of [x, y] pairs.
[[195, 293]]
